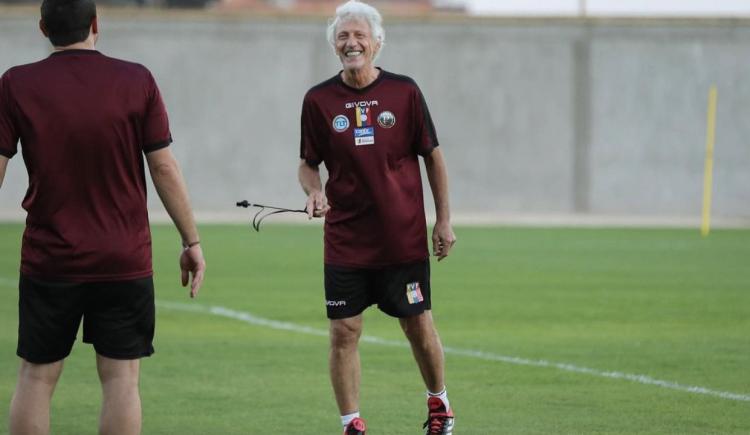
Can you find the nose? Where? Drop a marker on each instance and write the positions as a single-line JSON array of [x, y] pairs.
[[350, 42]]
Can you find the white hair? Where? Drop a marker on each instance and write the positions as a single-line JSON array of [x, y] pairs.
[[354, 9]]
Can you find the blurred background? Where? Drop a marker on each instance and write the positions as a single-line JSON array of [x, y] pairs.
[[557, 111]]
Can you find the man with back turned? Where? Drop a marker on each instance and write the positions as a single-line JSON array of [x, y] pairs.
[[85, 122]]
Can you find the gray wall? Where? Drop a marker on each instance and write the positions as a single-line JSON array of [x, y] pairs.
[[535, 117]]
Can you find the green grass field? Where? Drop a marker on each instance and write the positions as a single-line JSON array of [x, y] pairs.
[[665, 304]]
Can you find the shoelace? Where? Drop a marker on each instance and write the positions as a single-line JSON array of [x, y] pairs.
[[436, 421]]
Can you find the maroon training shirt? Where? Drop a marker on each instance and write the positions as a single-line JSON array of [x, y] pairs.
[[369, 140], [84, 121]]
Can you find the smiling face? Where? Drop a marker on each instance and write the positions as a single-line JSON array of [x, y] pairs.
[[355, 45]]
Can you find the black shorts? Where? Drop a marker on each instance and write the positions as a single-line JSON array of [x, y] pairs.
[[118, 318], [400, 291]]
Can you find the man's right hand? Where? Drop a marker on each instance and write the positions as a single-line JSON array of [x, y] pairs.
[[317, 205]]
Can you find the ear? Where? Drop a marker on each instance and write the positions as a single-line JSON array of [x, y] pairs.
[[94, 26], [378, 45], [43, 28]]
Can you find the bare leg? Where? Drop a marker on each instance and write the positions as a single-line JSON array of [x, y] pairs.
[[29, 409], [121, 402], [344, 362], [427, 349]]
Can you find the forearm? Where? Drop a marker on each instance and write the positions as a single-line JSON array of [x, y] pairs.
[[3, 165], [170, 185], [309, 178], [437, 174]]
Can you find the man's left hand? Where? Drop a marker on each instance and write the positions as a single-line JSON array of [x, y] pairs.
[[443, 239], [192, 265]]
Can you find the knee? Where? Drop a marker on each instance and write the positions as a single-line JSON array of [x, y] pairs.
[[345, 334], [418, 328], [119, 386], [46, 374], [118, 373]]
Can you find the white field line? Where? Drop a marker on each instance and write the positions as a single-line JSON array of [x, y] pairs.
[[487, 356]]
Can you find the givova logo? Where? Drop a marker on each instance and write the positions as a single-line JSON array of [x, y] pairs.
[[361, 104]]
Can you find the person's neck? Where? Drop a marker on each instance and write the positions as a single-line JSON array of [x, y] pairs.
[[360, 78], [88, 44]]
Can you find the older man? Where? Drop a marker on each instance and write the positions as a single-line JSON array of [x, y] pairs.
[[85, 121], [369, 126]]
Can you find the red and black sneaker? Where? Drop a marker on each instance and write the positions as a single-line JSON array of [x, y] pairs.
[[355, 427], [439, 420]]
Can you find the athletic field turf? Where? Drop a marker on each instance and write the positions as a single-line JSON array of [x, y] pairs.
[[550, 331]]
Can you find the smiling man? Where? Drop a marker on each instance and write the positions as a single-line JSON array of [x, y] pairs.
[[369, 126]]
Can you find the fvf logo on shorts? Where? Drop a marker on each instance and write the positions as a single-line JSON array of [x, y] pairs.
[[414, 293]]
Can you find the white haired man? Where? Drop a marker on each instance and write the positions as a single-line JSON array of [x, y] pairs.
[[369, 127]]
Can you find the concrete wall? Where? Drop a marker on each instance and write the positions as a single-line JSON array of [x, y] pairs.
[[535, 117]]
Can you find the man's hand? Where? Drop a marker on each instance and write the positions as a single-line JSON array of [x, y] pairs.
[[443, 239], [317, 204], [192, 263]]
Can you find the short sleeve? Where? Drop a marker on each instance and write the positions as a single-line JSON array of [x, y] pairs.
[[8, 130], [309, 137], [426, 138], [156, 134]]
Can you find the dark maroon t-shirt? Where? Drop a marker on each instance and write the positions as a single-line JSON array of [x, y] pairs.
[[370, 140], [84, 121]]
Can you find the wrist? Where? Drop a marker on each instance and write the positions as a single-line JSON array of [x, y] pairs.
[[442, 220], [188, 245]]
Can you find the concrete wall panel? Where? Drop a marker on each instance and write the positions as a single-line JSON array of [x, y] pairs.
[[535, 117]]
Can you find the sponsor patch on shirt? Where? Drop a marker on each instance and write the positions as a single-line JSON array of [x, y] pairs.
[[414, 293], [340, 123], [387, 119], [364, 136], [363, 116]]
